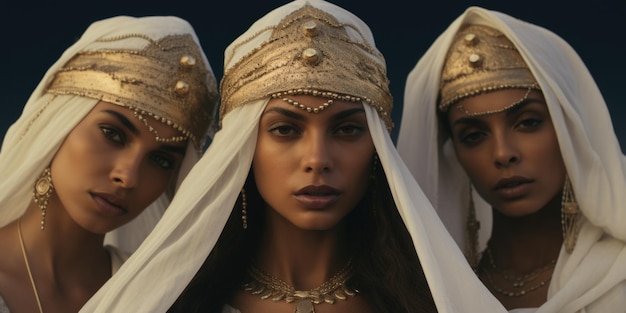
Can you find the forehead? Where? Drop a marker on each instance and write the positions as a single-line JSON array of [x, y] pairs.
[[493, 102], [312, 106]]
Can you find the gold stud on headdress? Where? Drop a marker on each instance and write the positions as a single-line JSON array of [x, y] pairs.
[[482, 59], [308, 52], [163, 81]]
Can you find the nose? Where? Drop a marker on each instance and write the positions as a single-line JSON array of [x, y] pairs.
[[126, 170], [316, 157], [505, 152]]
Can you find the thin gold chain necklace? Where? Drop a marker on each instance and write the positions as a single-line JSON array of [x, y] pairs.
[[30, 274], [517, 281], [272, 287]]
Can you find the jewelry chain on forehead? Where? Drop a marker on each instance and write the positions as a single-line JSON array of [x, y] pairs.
[[331, 95], [308, 108], [158, 138], [474, 114]]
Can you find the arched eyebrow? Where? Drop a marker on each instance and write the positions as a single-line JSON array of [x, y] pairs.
[[285, 112], [125, 121], [347, 113]]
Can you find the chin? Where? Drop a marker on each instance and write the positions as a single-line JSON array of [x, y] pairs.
[[317, 225]]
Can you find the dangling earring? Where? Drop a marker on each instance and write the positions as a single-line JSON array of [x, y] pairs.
[[473, 225], [41, 193], [372, 185], [244, 209], [374, 167], [569, 216]]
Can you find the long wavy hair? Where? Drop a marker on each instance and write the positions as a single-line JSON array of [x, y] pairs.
[[387, 269]]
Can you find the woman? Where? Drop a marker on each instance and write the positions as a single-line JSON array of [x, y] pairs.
[[113, 126], [510, 137], [305, 191]]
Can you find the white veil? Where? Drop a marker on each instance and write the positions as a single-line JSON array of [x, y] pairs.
[[152, 279], [33, 140], [593, 276]]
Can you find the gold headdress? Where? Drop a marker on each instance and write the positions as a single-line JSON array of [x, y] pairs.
[[482, 59], [309, 52], [167, 81]]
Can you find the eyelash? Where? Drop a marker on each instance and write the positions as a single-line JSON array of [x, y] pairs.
[[110, 134], [284, 130], [468, 138], [279, 130], [161, 161]]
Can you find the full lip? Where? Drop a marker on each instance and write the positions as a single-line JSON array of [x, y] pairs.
[[513, 186], [317, 196], [109, 203]]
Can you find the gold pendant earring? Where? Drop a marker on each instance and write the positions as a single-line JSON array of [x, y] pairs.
[[41, 193], [569, 216], [244, 209], [374, 167]]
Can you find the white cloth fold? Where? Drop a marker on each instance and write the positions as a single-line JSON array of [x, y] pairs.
[[592, 278]]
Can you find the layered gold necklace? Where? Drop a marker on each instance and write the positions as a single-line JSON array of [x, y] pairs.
[[518, 285], [271, 287]]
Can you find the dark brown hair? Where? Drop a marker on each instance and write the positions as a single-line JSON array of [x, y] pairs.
[[387, 269]]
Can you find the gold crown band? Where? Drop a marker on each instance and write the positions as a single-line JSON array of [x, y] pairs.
[[481, 59], [309, 52], [167, 81]]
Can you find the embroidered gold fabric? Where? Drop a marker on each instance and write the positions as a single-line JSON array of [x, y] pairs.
[[167, 81], [309, 50], [482, 59]]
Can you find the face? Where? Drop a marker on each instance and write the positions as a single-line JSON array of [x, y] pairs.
[[512, 157], [110, 167], [313, 169]]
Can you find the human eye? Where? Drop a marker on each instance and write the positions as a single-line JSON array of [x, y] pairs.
[[470, 137], [530, 123], [350, 129], [283, 130], [112, 134], [163, 161]]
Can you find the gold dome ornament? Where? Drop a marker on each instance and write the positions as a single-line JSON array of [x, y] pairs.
[[482, 59]]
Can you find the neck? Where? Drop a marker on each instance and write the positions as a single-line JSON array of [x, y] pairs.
[[302, 258], [63, 248], [524, 243]]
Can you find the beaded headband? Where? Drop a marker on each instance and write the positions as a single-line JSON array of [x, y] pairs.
[[482, 59], [309, 52], [167, 81]]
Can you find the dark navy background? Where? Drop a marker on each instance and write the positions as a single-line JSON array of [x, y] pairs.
[[35, 34]]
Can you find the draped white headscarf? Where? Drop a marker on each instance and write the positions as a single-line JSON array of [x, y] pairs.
[[152, 279], [32, 141], [592, 278]]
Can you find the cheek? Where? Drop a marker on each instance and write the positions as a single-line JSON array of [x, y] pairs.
[[358, 166], [153, 182], [267, 171], [474, 161]]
